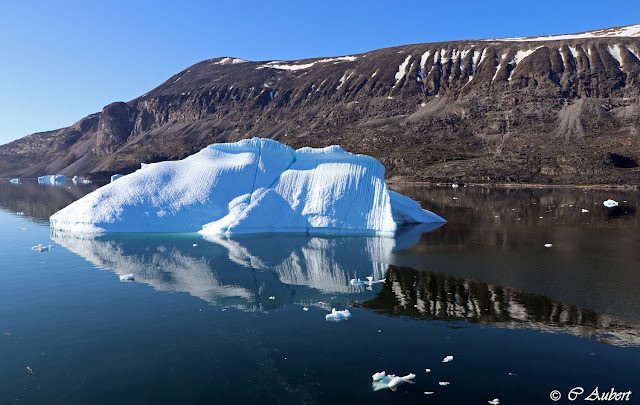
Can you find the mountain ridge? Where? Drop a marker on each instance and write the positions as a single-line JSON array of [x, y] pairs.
[[550, 111]]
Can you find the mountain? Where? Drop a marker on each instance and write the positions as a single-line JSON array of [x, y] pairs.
[[552, 110]]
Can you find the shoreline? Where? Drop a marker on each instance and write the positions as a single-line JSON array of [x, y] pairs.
[[494, 185], [520, 185]]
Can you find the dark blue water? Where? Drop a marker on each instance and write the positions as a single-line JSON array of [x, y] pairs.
[[223, 321]]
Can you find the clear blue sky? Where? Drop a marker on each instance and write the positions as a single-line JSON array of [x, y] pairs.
[[60, 61]]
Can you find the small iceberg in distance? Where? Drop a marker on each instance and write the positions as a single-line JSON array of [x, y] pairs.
[[53, 179], [16, 181], [77, 180], [610, 203], [251, 186]]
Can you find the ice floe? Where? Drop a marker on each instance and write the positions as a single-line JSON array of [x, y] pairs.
[[359, 283], [381, 380], [251, 186], [338, 315], [16, 181], [610, 203], [43, 248], [447, 359]]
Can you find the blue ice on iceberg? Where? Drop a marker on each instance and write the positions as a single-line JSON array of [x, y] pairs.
[[116, 177], [251, 186]]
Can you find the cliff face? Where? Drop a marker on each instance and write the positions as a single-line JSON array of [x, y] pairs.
[[561, 109]]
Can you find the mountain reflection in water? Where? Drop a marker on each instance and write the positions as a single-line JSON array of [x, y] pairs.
[[40, 201], [429, 295]]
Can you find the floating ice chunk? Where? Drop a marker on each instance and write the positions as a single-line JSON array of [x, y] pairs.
[[494, 401], [428, 370], [116, 177], [428, 392], [77, 180], [127, 277], [20, 213], [391, 381], [16, 181], [378, 376], [305, 308], [338, 315], [447, 359], [359, 283], [272, 297], [251, 186], [610, 203], [444, 383], [42, 248], [195, 244], [548, 245], [584, 210], [52, 179], [454, 185]]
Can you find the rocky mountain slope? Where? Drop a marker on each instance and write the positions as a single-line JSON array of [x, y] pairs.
[[554, 110]]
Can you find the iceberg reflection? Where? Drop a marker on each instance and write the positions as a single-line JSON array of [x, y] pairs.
[[244, 272]]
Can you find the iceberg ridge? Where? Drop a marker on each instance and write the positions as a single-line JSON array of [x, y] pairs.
[[251, 186]]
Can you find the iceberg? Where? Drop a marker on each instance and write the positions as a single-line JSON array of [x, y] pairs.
[[610, 203], [52, 179], [338, 315], [77, 180], [251, 186], [16, 181], [382, 380]]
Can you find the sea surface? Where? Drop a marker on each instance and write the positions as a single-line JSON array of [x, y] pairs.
[[243, 320]]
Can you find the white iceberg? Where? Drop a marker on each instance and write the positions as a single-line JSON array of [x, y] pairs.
[[127, 277], [77, 180], [610, 203], [382, 380], [251, 186], [52, 179], [338, 315], [16, 181], [116, 177], [447, 359]]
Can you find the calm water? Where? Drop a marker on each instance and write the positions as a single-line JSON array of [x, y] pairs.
[[223, 321]]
